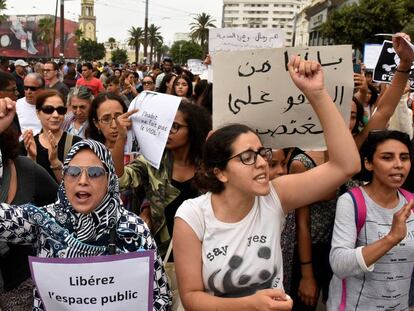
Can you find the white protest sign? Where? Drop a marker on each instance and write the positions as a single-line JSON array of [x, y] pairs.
[[196, 66], [108, 283], [371, 55], [254, 87], [152, 123], [238, 39]]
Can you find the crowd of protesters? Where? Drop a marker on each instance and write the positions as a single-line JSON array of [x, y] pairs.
[[253, 228]]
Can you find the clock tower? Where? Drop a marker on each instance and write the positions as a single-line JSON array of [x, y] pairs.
[[87, 20]]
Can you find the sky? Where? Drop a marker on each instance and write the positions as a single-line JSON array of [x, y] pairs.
[[115, 17]]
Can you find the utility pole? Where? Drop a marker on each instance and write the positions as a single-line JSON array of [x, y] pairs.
[[62, 28], [146, 31]]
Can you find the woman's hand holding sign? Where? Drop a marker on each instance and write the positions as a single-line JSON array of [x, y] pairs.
[[124, 123]]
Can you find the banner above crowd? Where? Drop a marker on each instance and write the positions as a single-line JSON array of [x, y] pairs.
[[237, 39]]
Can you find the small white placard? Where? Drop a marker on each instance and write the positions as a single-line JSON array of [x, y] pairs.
[[152, 124], [107, 283]]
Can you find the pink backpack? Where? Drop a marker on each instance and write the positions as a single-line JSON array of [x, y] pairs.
[[360, 209]]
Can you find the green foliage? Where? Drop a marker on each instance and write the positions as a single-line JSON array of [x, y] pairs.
[[136, 39], [78, 35], [119, 56], [3, 7], [182, 50], [358, 23], [46, 27], [91, 50], [199, 29], [154, 39]]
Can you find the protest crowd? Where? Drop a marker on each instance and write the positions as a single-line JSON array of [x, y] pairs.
[[253, 227]]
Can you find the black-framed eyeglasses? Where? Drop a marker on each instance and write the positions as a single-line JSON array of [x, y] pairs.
[[93, 172], [32, 88], [107, 119], [249, 157], [147, 83], [61, 110], [175, 127]]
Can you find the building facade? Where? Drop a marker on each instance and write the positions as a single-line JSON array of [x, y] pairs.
[[87, 20], [263, 14], [317, 13]]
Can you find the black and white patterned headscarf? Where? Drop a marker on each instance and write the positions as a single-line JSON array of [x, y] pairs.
[[95, 226]]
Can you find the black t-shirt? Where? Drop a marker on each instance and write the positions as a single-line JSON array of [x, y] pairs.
[[187, 191], [34, 185]]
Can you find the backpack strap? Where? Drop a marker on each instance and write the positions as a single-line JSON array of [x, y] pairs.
[[68, 145], [360, 209], [406, 194]]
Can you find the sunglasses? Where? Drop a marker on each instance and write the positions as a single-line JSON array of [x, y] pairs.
[[32, 88], [93, 172], [61, 110], [147, 83]]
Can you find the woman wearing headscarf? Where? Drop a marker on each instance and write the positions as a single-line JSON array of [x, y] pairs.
[[79, 223]]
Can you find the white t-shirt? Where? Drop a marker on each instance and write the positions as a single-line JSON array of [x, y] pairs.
[[238, 258], [27, 116]]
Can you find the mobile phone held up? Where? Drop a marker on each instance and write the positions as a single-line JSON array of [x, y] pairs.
[[357, 68]]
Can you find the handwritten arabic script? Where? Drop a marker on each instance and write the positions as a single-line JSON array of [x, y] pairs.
[[259, 92]]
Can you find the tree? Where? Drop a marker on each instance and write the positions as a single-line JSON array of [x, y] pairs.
[[119, 56], [182, 50], [136, 39], [46, 27], [154, 37], [91, 50], [161, 50], [357, 23], [3, 7], [199, 29], [78, 35]]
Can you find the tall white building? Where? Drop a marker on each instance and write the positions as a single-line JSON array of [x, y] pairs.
[[263, 14]]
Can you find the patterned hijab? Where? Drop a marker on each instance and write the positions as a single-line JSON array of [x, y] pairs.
[[92, 228]]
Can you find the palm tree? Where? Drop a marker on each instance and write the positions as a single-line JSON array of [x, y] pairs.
[[3, 7], [199, 29], [46, 26], [154, 37], [135, 40]]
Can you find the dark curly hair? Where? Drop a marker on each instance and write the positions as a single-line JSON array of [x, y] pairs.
[[375, 138], [199, 125], [9, 143], [93, 132], [216, 153]]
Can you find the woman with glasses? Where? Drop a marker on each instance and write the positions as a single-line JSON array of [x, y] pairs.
[[227, 241], [106, 107], [148, 83], [167, 187], [372, 252], [22, 181], [86, 220], [50, 146]]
